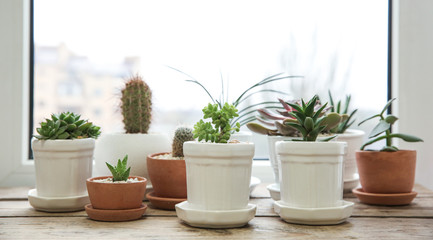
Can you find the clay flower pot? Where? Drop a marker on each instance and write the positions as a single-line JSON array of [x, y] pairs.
[[168, 176], [386, 172], [116, 201]]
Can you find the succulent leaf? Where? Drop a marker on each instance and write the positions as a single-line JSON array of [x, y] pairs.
[[119, 172]]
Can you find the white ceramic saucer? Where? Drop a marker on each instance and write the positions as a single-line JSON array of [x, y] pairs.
[[253, 183], [274, 190], [351, 183], [215, 218], [314, 216], [57, 204]]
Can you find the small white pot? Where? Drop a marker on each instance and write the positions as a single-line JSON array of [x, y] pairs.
[[312, 173], [62, 166], [354, 139], [275, 163], [111, 147], [242, 136], [218, 175]]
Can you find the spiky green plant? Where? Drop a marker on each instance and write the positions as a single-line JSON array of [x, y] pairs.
[[136, 105], [245, 114], [66, 125], [219, 130], [344, 112], [384, 126], [311, 123], [181, 135], [119, 172]]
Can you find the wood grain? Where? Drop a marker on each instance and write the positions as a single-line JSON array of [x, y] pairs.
[[172, 228]]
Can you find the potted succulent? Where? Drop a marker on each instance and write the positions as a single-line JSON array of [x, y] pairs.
[[168, 174], [218, 173], [387, 176], [275, 124], [118, 197], [353, 138], [136, 108], [312, 171], [63, 155]]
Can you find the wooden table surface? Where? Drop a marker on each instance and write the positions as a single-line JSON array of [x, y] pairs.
[[18, 220]]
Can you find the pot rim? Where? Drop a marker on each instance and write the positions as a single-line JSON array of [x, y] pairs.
[[141, 180], [310, 148], [383, 152], [152, 156]]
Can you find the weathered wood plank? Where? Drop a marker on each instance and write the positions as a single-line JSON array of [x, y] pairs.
[[172, 228], [421, 207]]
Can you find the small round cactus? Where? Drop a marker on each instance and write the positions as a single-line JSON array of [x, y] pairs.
[[181, 135], [136, 105]]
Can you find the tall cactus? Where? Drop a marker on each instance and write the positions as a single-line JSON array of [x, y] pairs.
[[136, 105], [181, 135]]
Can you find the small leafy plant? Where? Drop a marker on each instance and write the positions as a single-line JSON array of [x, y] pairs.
[[119, 172], [66, 125], [311, 123], [219, 129], [384, 128], [344, 112], [244, 113], [181, 135]]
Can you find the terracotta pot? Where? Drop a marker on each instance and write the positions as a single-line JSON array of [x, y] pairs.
[[168, 176], [386, 172], [116, 196]]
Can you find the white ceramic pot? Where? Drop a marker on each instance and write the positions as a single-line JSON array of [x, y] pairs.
[[242, 136], [312, 173], [62, 166], [354, 139], [111, 147], [275, 163], [218, 175]]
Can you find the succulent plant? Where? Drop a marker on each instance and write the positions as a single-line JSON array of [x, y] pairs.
[[310, 122], [384, 126], [181, 135], [66, 125], [280, 118], [343, 111], [136, 105], [219, 130], [245, 114], [119, 172]]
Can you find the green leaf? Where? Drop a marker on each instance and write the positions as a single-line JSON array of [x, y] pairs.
[[406, 137], [391, 119], [381, 127], [386, 106], [363, 121]]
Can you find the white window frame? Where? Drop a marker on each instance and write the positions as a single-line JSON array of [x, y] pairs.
[[16, 169]]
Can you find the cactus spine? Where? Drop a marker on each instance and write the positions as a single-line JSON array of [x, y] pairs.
[[181, 135], [136, 105]]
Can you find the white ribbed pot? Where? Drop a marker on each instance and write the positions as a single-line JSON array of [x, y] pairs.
[[242, 136], [354, 139], [218, 175], [312, 173], [275, 164], [113, 146], [62, 166]]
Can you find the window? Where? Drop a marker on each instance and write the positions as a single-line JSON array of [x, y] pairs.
[[331, 43]]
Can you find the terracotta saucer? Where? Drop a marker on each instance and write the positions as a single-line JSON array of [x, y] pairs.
[[115, 215], [384, 198], [163, 203]]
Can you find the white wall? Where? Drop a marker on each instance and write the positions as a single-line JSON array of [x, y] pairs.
[[413, 80]]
